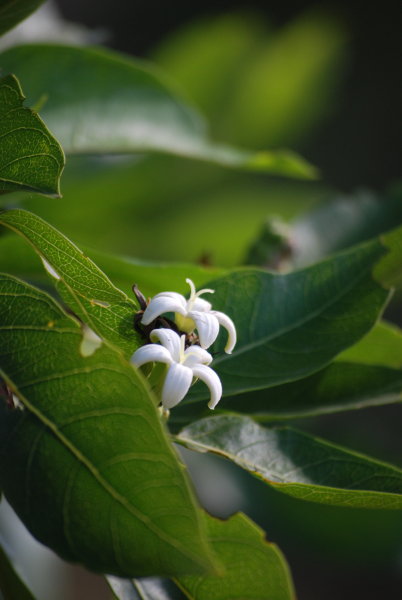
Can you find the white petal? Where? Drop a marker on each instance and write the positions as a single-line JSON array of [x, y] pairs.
[[161, 304], [169, 339], [176, 385], [211, 379], [151, 353], [195, 355], [207, 327], [228, 324], [201, 305]]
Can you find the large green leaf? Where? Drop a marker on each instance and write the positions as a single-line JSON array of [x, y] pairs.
[[17, 258], [30, 157], [298, 464], [339, 387], [14, 11], [86, 464], [11, 585], [290, 326], [253, 569], [100, 102], [381, 346], [82, 285], [366, 374]]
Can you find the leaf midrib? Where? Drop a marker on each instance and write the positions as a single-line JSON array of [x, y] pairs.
[[296, 324]]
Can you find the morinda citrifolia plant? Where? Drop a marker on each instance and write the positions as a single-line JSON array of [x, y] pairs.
[[102, 383]]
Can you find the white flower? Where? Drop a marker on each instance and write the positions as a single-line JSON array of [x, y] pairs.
[[194, 313], [183, 366]]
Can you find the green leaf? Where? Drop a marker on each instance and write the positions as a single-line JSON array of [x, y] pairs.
[[86, 464], [14, 11], [366, 374], [17, 258], [290, 326], [11, 585], [389, 269], [381, 346], [30, 157], [263, 86], [339, 387], [99, 102], [298, 464], [254, 568], [81, 284]]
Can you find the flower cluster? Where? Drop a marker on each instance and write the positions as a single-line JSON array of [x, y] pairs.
[[182, 346]]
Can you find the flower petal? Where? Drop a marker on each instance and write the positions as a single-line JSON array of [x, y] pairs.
[[151, 353], [201, 305], [169, 339], [195, 355], [162, 303], [228, 324], [211, 379], [207, 327], [176, 385]]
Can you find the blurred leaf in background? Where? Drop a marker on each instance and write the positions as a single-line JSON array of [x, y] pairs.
[[259, 85]]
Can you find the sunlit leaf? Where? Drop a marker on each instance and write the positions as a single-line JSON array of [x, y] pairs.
[[30, 157], [17, 258], [86, 463], [100, 102], [83, 286], [254, 568], [298, 464]]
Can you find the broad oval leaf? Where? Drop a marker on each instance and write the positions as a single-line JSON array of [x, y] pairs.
[[290, 326], [14, 11], [83, 286], [30, 157], [100, 102], [253, 568], [298, 464], [86, 464]]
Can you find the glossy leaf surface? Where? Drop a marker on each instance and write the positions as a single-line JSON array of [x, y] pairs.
[[100, 102], [86, 464], [30, 157], [83, 286], [14, 11], [298, 464], [292, 325]]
